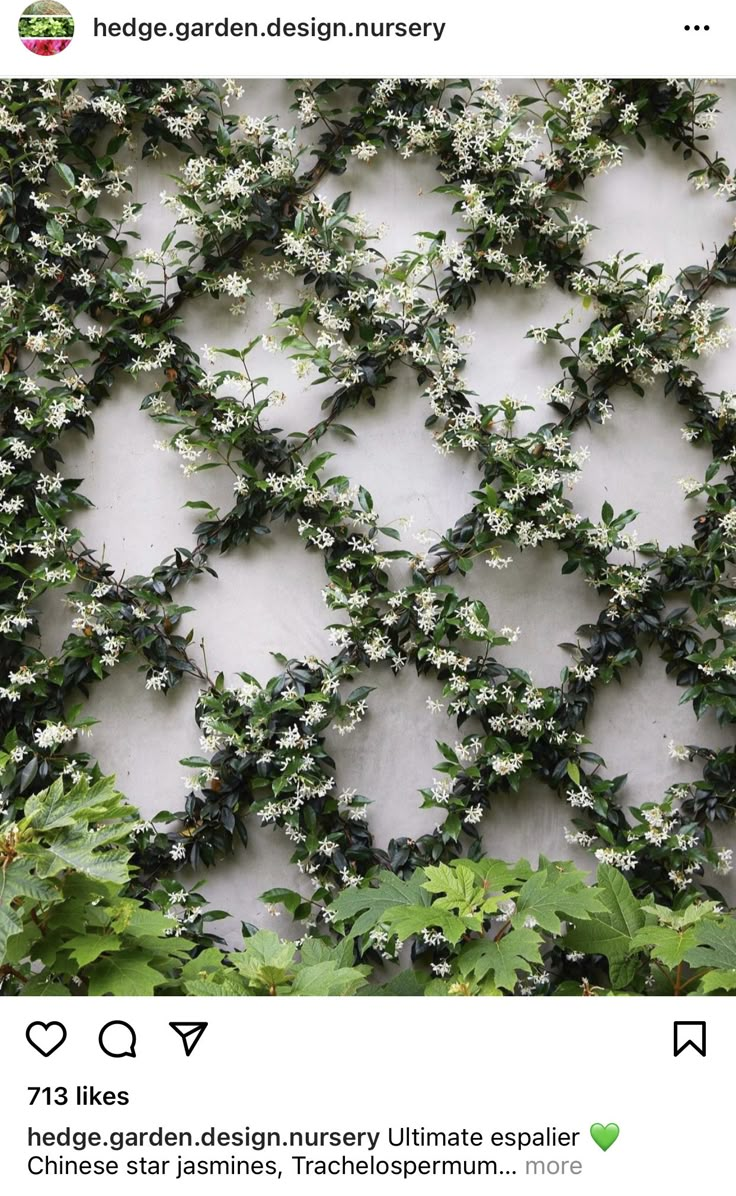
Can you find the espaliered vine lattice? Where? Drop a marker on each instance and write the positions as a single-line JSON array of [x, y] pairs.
[[81, 305]]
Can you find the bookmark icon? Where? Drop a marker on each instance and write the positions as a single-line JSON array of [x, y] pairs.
[[689, 1034], [190, 1034]]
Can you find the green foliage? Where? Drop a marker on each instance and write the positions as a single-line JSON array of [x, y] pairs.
[[373, 904], [269, 967], [493, 928], [46, 26], [610, 932], [67, 923], [77, 313], [553, 892], [81, 831], [477, 927], [716, 946], [505, 958]]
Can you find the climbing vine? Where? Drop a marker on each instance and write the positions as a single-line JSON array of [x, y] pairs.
[[85, 301]]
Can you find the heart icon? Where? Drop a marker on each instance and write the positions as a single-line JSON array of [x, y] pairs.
[[604, 1135], [46, 1037]]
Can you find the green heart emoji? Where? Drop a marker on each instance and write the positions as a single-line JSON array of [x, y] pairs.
[[604, 1135]]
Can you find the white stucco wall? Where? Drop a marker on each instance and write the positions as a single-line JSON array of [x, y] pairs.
[[268, 598]]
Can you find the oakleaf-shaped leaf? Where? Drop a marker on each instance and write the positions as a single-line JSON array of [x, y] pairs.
[[718, 981], [667, 945], [326, 979], [316, 950], [10, 923], [123, 974], [265, 959], [497, 875], [84, 948], [55, 808], [78, 849], [457, 889], [552, 892], [517, 951], [19, 880], [716, 946], [369, 904], [209, 960], [229, 984], [610, 932], [682, 918], [408, 920], [128, 917]]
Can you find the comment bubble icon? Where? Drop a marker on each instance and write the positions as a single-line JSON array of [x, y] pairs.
[[117, 1039]]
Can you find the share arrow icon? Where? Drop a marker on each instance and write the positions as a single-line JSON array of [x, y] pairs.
[[190, 1034]]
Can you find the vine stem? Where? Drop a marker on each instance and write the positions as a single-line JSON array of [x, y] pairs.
[[678, 980], [7, 970]]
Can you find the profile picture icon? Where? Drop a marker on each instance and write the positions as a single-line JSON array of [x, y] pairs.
[[46, 27]]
